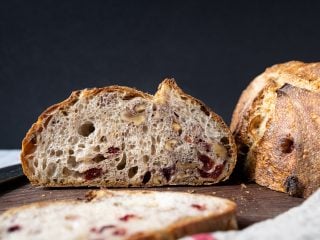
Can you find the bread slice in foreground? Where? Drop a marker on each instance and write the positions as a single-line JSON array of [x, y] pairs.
[[120, 215], [118, 136], [277, 128]]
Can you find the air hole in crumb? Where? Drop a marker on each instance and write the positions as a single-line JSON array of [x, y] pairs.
[[103, 139], [86, 129], [183, 97], [59, 153], [66, 171], [145, 129], [146, 177], [145, 158], [44, 163], [154, 107], [72, 161], [205, 110], [96, 148], [98, 158], [153, 149], [35, 163], [51, 169], [132, 171], [122, 163], [158, 139], [52, 152], [176, 114], [224, 141], [71, 152], [81, 146]]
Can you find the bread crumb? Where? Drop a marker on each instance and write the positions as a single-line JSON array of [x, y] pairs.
[[243, 186], [43, 195], [213, 193], [247, 192], [191, 191]]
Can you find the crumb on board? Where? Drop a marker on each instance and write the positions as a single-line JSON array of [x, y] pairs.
[[191, 191], [214, 193], [247, 191], [243, 186], [43, 195]]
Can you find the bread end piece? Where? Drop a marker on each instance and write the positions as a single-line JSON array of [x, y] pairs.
[[276, 128]]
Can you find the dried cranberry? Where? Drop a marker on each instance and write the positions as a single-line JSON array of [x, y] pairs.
[[125, 218], [113, 150], [214, 174], [14, 228], [168, 172], [207, 162], [119, 232], [199, 207], [203, 236], [92, 173]]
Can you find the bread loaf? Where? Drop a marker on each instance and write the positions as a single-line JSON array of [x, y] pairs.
[[276, 125], [130, 215], [119, 137]]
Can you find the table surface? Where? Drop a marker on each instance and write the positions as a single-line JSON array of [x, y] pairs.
[[255, 203]]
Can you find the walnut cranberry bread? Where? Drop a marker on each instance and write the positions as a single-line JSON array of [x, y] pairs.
[[120, 215], [118, 136], [276, 125]]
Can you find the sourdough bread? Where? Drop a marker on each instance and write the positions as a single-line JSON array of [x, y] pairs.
[[276, 124], [118, 137], [120, 215]]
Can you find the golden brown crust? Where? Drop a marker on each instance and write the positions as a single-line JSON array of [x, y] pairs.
[[273, 113], [180, 228], [28, 146]]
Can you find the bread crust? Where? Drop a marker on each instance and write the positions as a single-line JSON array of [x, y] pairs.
[[28, 146], [268, 117], [178, 229]]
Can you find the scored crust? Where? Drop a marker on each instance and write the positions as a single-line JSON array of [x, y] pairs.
[[276, 128], [29, 142], [213, 221]]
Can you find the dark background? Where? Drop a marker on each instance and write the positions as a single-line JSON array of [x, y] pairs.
[[212, 48]]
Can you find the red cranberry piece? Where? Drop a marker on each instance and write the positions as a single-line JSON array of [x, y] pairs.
[[92, 173], [199, 207], [14, 228], [113, 150], [207, 162], [125, 218], [119, 232], [215, 174], [203, 236]]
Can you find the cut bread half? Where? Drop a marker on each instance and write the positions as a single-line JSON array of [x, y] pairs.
[[119, 137], [120, 215]]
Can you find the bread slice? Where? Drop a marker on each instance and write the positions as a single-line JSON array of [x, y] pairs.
[[120, 215], [118, 137], [277, 128]]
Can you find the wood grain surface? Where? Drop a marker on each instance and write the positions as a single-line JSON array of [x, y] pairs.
[[255, 203]]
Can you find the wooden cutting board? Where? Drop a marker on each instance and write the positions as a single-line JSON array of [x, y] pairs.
[[255, 203]]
